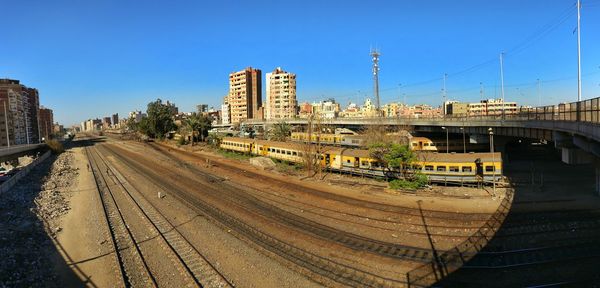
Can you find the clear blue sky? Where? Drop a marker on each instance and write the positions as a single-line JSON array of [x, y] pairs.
[[93, 58]]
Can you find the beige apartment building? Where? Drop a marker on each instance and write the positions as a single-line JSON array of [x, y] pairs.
[[489, 107], [281, 100], [245, 95]]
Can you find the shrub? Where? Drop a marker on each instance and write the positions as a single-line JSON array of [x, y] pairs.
[[418, 180], [55, 146], [181, 141]]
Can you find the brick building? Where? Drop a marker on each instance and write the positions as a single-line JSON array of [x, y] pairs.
[[245, 95]]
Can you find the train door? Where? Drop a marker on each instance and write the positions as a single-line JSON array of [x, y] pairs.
[[479, 168], [356, 162], [327, 160]]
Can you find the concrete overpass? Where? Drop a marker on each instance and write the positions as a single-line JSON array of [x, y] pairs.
[[572, 127], [14, 151]]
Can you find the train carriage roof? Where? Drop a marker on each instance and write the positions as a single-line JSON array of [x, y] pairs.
[[364, 153], [426, 156]]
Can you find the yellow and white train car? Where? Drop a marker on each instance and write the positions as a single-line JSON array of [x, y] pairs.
[[439, 167]]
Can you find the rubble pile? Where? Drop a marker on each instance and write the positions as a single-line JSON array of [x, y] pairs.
[[28, 222]]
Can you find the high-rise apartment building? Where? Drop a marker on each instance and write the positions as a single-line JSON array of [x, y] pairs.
[[21, 117], [245, 95], [46, 122], [281, 100], [202, 108], [115, 119]]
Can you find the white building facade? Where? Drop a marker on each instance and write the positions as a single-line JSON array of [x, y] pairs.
[[281, 102]]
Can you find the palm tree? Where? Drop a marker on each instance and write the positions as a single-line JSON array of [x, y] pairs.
[[204, 124], [192, 124], [280, 131]]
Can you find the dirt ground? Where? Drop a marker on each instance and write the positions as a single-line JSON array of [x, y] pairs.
[[439, 198], [84, 240]]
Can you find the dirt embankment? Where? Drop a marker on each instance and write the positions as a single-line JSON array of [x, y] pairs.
[[38, 216]]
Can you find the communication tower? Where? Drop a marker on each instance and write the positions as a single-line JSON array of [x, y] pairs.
[[375, 54]]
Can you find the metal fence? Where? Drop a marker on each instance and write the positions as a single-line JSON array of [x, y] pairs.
[[453, 259], [583, 111]]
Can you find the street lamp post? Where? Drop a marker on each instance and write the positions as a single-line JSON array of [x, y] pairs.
[[447, 141], [464, 140], [493, 160]]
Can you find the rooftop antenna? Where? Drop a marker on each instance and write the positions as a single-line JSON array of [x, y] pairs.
[[375, 54]]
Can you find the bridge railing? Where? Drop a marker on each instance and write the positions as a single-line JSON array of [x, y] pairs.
[[453, 259], [587, 111]]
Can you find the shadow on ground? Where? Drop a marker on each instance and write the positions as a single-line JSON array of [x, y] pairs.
[[551, 235], [30, 255]]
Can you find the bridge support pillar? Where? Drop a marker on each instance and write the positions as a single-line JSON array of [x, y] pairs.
[[575, 156], [597, 178]]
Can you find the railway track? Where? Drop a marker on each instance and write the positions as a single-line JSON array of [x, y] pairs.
[[302, 224], [432, 214], [276, 198], [306, 261], [133, 268], [193, 266]]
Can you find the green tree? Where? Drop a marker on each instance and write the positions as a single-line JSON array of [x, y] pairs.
[[197, 124], [190, 125], [280, 131], [205, 124], [159, 120], [400, 157]]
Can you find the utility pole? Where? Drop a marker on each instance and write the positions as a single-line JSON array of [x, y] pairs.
[[6, 124], [375, 54], [539, 94], [502, 80], [444, 92], [481, 90], [578, 50]]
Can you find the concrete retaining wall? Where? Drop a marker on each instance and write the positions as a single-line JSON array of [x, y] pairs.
[[24, 171]]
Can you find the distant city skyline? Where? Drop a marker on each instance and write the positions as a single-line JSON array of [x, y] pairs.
[[92, 60]]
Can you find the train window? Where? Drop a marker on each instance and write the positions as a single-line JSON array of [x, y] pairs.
[[441, 168], [415, 144], [466, 169], [354, 141], [425, 144], [295, 153], [288, 152], [348, 161], [453, 169], [489, 168], [428, 167], [364, 163], [416, 167], [431, 144], [278, 151]]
